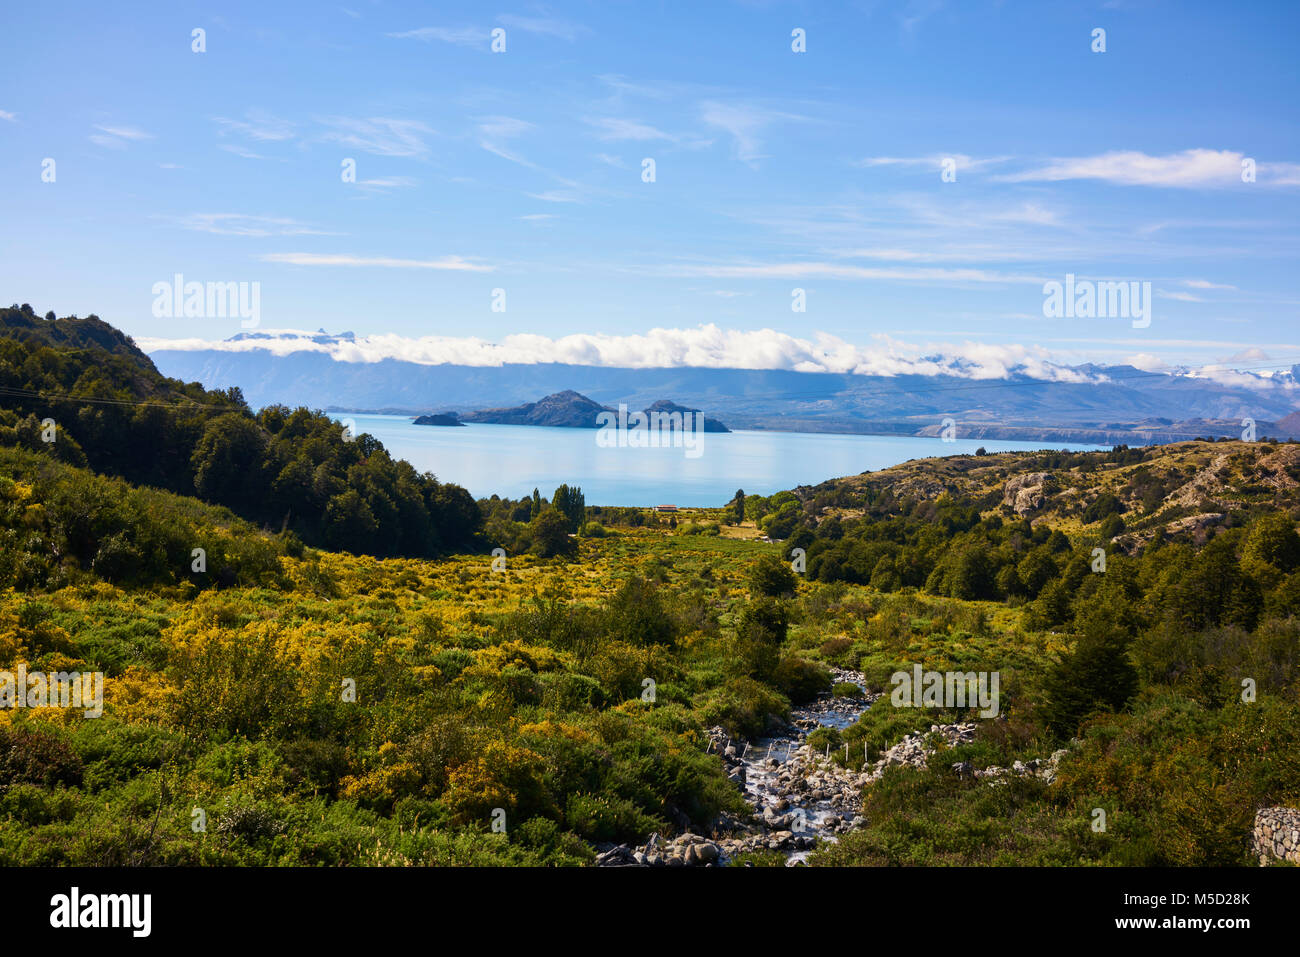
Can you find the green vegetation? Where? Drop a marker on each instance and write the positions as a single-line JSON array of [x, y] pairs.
[[1171, 675], [337, 688], [284, 469]]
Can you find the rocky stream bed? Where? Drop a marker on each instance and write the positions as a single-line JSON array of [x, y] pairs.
[[799, 795]]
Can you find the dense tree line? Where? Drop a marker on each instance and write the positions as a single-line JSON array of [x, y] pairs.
[[281, 468], [534, 525]]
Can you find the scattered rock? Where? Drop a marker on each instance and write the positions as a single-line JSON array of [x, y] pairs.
[[1276, 836]]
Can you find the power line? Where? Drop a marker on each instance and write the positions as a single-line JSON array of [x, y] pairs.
[[58, 397]]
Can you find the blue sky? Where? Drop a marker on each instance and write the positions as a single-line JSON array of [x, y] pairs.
[[774, 170]]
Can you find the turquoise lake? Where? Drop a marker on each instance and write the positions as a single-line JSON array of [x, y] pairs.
[[512, 460]]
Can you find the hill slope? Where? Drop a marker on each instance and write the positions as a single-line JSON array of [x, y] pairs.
[[82, 391], [22, 323]]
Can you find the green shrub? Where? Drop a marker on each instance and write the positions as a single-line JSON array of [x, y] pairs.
[[570, 692], [801, 680], [29, 756], [743, 706], [636, 614], [772, 577], [819, 739], [603, 818]]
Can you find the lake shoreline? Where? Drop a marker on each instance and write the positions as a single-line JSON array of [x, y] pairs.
[[511, 460], [1082, 435]]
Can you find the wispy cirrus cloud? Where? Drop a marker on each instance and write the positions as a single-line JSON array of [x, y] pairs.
[[915, 13], [459, 36], [981, 253], [559, 196], [937, 225], [382, 136], [621, 86], [257, 128], [8, 117], [744, 123], [240, 150], [610, 128], [923, 227], [257, 125], [495, 130], [935, 161], [1281, 174], [118, 137], [450, 263], [1189, 169], [240, 224], [384, 184], [478, 37], [837, 270], [504, 127], [544, 26]]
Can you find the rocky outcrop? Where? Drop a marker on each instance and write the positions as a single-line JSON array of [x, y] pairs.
[[1026, 493], [1205, 486], [1198, 525], [1038, 767], [1276, 836], [916, 749]]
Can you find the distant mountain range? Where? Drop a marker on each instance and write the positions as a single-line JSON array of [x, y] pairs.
[[1085, 403]]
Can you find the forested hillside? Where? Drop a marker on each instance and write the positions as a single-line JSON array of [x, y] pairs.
[[84, 390]]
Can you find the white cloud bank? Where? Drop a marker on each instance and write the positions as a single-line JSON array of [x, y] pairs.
[[706, 346]]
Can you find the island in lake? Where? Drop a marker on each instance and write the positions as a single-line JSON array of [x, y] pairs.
[[573, 410], [439, 419]]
